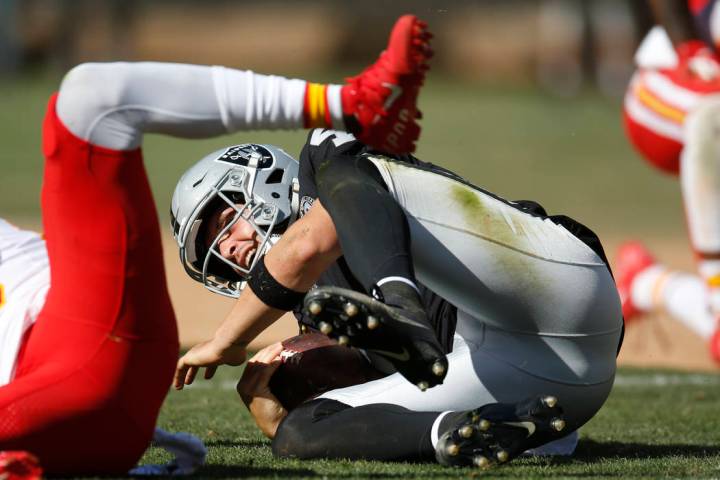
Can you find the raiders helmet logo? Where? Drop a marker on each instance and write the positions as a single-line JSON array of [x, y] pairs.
[[241, 155], [305, 204]]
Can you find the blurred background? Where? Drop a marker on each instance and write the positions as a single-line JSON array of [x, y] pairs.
[[524, 99]]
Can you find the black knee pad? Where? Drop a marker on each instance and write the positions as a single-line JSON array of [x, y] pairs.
[[301, 435]]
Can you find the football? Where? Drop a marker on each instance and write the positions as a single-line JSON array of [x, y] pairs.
[[312, 364]]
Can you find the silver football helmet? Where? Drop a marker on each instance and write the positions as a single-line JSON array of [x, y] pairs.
[[259, 182]]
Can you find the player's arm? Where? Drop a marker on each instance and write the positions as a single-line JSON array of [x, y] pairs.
[[307, 248], [675, 17]]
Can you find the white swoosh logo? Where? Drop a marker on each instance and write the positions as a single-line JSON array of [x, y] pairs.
[[395, 92], [527, 425], [403, 357]]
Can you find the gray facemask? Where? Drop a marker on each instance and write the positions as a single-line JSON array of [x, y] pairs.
[[259, 182]]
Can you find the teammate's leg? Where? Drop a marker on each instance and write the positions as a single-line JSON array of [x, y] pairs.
[[694, 153], [130, 99], [106, 335]]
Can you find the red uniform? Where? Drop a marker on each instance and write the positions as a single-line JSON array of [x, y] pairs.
[[657, 103], [98, 363], [659, 99]]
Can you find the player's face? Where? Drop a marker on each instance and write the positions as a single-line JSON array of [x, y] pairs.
[[239, 244]]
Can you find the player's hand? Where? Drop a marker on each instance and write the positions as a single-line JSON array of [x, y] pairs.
[[210, 355], [254, 389]]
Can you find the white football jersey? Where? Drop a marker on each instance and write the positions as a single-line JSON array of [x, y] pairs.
[[24, 281]]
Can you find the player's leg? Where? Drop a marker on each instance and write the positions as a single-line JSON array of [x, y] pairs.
[[397, 424], [500, 260], [130, 99], [375, 240], [650, 124], [327, 428], [479, 374], [108, 303], [700, 180], [646, 286]]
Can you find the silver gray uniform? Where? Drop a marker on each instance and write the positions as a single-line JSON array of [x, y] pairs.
[[538, 312]]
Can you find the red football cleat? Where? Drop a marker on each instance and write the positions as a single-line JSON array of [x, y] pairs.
[[632, 259], [380, 104], [19, 465]]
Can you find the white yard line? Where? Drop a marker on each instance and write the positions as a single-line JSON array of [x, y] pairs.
[[631, 380], [623, 380]]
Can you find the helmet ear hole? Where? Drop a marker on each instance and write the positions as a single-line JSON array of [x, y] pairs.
[[276, 176]]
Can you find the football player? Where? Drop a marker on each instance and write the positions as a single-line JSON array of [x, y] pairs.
[[489, 312], [88, 334], [671, 113]]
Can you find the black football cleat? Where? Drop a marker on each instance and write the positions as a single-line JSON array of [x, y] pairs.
[[405, 340], [498, 432]]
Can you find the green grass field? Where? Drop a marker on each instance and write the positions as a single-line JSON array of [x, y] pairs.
[[655, 424], [569, 154]]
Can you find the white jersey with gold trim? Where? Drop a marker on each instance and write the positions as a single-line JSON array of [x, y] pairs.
[[24, 281]]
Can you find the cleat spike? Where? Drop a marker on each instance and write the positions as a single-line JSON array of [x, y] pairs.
[[483, 425], [550, 401], [453, 449], [423, 385], [343, 340], [325, 328], [350, 309], [315, 307], [475, 418], [558, 424], [466, 431], [502, 456], [438, 369], [481, 461], [372, 323]]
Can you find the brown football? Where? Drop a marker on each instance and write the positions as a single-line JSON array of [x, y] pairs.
[[312, 364]]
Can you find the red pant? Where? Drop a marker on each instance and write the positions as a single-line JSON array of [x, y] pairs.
[[99, 361]]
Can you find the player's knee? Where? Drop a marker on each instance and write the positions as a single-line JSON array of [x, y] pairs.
[[91, 86], [304, 433], [88, 92], [291, 437]]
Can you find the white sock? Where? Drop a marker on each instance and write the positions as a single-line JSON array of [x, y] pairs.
[[682, 295]]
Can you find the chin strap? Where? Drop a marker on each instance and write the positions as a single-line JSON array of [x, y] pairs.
[[253, 162], [295, 200]]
